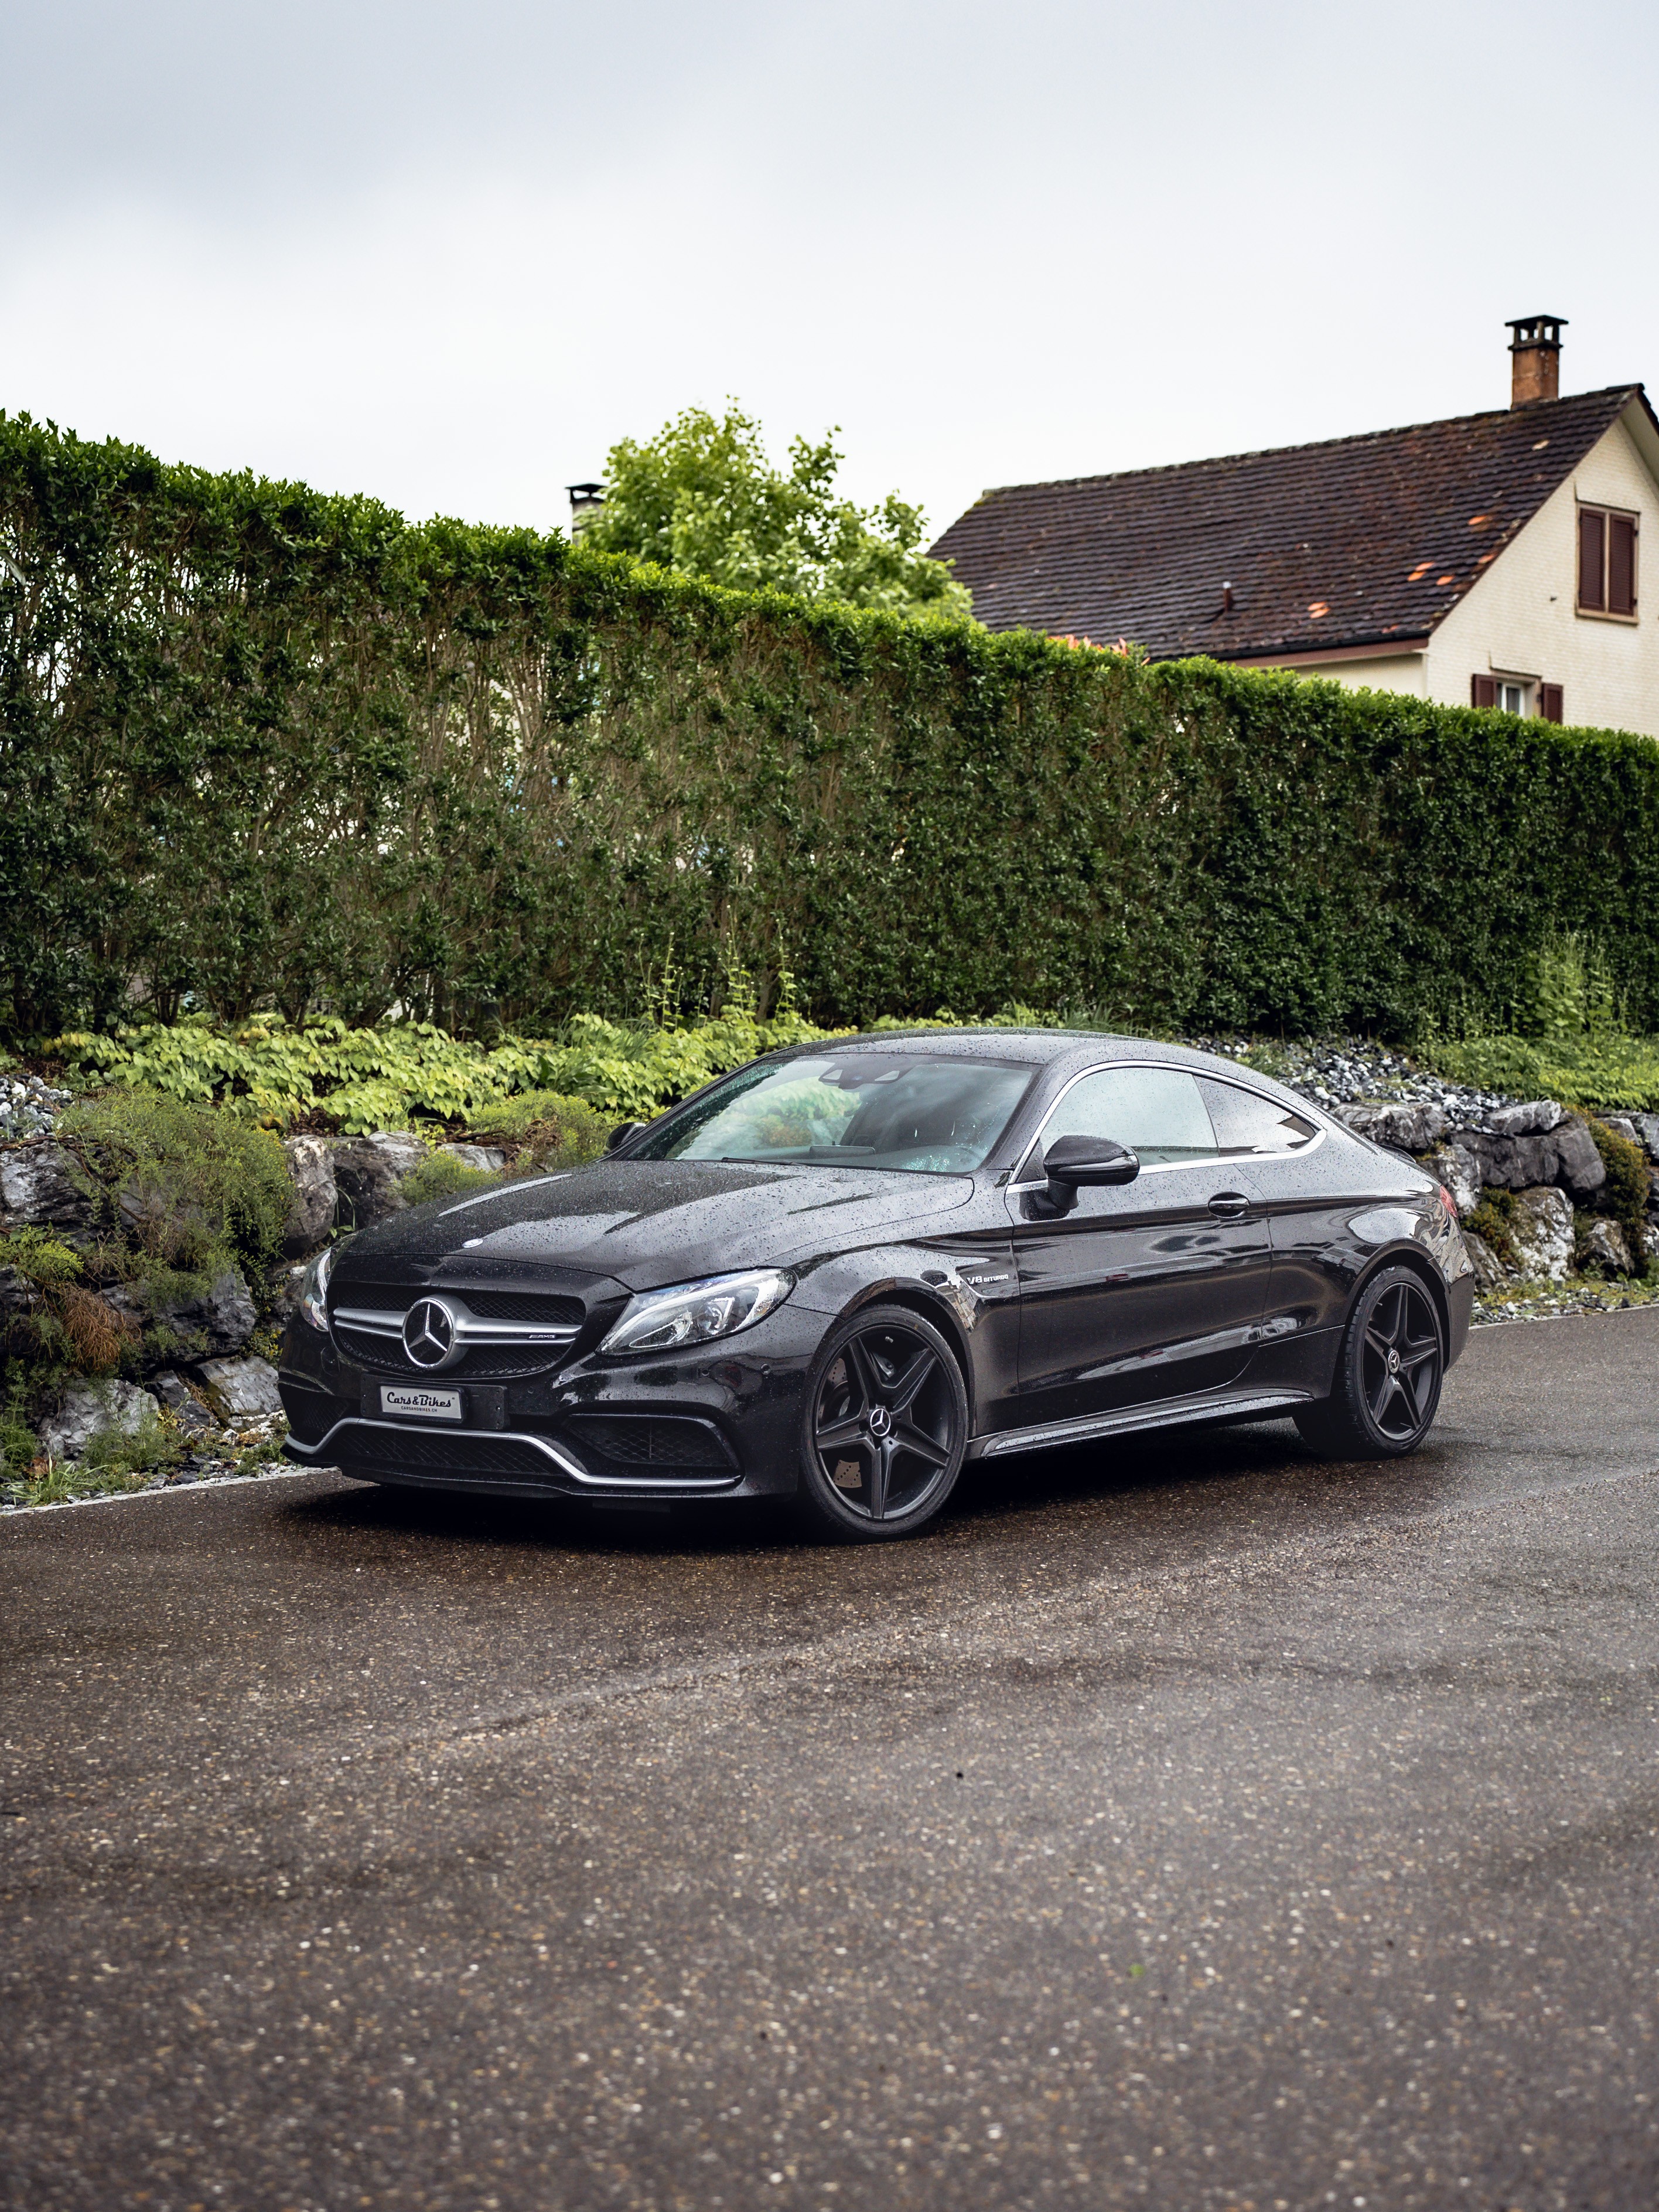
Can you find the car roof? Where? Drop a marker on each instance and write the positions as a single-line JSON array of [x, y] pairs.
[[1047, 1047]]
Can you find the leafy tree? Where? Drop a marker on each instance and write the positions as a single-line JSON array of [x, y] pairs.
[[701, 496]]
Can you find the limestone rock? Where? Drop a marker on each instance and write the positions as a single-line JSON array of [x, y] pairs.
[[176, 1394], [283, 1302], [155, 1217], [1536, 1119], [38, 1190], [89, 1409], [1455, 1166], [241, 1389], [1490, 1273], [1579, 1167], [215, 1324], [484, 1157], [17, 1293], [1404, 1128], [1604, 1250], [1565, 1155], [1540, 1229], [369, 1171], [311, 1171], [1646, 1127]]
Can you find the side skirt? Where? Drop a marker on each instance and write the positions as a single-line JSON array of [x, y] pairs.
[[1226, 1405]]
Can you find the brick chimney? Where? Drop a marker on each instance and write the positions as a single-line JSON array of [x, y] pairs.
[[1536, 359]]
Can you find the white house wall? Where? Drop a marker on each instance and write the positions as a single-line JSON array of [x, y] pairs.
[[1520, 618], [1398, 671]]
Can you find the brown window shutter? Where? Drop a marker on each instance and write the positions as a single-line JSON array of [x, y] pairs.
[[1483, 691], [1591, 531], [1549, 701], [1621, 564]]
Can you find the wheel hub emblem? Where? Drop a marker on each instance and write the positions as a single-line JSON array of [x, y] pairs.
[[881, 1421], [1393, 1362], [429, 1332]]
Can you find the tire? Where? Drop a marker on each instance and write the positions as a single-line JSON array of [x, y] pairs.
[[885, 1429], [1389, 1373]]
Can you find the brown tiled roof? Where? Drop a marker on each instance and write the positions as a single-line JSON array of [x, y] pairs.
[[1354, 541]]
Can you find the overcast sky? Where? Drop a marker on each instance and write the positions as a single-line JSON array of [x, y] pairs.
[[447, 254]]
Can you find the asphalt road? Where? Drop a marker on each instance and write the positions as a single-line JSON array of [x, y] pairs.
[[1187, 1825]]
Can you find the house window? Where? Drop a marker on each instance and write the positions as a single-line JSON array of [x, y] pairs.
[[1607, 563], [1516, 694]]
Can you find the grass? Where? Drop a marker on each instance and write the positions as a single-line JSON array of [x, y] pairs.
[[115, 1464]]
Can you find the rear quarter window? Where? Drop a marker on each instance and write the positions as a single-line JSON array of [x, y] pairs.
[[1249, 1127]]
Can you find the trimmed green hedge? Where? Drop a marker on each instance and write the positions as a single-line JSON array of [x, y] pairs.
[[264, 747]]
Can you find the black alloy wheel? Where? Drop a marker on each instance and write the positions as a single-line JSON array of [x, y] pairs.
[[1389, 1373], [886, 1427]]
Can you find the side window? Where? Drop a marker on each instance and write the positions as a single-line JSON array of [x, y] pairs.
[[1247, 1125], [1157, 1112]]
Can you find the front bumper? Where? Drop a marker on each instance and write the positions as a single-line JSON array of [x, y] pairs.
[[720, 1420]]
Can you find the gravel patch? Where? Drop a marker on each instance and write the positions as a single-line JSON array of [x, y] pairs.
[[28, 1107], [1354, 1071]]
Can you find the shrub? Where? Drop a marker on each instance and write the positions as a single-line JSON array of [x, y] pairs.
[[95, 1335], [1625, 1194], [19, 1447], [487, 778], [153, 1447], [1605, 1073], [192, 1189], [1492, 1220], [440, 1176], [544, 1131], [41, 1258]]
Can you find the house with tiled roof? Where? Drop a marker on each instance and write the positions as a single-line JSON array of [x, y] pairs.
[[1493, 560]]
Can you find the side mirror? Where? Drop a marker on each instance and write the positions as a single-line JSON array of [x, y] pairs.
[[1070, 1161], [620, 1134]]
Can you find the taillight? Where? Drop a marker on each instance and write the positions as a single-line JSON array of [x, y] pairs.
[[1448, 1201]]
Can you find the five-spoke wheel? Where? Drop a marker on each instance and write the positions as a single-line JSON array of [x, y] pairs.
[[886, 1427], [1387, 1387]]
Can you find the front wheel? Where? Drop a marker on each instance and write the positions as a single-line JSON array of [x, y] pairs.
[[885, 1428], [1389, 1373]]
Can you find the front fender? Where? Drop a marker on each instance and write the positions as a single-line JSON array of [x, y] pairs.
[[966, 1286]]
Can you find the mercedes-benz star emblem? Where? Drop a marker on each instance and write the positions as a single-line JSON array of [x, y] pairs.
[[881, 1420], [429, 1332]]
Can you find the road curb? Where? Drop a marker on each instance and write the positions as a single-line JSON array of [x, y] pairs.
[[170, 1490]]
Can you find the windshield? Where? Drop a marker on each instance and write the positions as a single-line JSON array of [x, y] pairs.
[[854, 1109]]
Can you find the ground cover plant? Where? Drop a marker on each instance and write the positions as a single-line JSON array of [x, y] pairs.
[[475, 778]]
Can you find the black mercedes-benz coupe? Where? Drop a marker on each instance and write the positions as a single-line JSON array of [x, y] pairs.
[[842, 1272]]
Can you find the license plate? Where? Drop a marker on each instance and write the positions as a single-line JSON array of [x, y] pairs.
[[420, 1405]]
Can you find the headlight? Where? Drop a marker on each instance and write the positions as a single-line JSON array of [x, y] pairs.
[[695, 1313], [314, 1291]]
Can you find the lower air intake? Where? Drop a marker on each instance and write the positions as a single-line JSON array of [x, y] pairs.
[[666, 1442]]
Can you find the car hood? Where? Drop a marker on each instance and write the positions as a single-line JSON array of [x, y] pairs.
[[645, 1222]]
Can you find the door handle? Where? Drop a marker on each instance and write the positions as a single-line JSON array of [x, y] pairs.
[[1230, 1203]]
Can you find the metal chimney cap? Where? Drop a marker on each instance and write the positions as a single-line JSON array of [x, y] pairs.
[[1535, 331]]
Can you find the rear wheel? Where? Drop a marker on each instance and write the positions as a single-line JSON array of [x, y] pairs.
[[1388, 1374], [885, 1431]]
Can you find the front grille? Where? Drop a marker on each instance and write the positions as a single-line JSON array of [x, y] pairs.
[[465, 1453], [485, 1363], [540, 1309], [536, 1307], [379, 1297], [655, 1443]]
